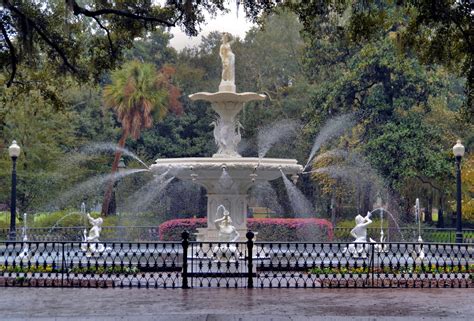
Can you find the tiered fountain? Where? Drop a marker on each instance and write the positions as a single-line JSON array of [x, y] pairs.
[[227, 175]]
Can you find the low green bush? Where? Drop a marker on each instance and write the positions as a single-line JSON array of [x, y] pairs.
[[432, 269]]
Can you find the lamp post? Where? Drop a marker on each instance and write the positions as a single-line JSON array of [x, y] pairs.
[[458, 151], [14, 152]]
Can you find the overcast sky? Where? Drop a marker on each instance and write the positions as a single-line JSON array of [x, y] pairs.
[[237, 26]]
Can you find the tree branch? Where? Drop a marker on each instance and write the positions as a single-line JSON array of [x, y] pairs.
[[429, 183], [88, 13], [42, 35], [112, 50], [13, 57]]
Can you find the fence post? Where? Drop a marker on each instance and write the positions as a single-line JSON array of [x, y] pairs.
[[250, 237], [372, 262], [185, 244], [63, 264]]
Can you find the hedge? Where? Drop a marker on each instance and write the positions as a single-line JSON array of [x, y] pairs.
[[269, 229]]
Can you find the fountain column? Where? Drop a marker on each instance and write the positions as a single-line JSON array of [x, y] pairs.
[[232, 195]]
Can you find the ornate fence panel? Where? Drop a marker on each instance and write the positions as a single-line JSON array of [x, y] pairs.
[[218, 264], [408, 265], [314, 265], [75, 264], [311, 265]]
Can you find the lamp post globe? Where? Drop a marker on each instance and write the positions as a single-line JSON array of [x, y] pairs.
[[14, 152], [458, 151]]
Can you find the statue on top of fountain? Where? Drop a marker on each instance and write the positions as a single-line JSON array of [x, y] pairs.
[[359, 232], [228, 64]]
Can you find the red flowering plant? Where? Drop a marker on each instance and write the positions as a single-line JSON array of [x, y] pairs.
[[269, 229]]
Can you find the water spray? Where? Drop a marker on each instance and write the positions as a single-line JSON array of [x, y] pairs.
[[418, 218]]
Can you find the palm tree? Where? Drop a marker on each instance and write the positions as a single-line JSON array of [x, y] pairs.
[[137, 94]]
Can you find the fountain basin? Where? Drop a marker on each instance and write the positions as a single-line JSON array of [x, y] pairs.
[[226, 180], [207, 171]]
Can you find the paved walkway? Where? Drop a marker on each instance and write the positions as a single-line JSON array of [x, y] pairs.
[[236, 304]]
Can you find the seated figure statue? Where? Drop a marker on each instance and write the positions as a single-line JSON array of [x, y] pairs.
[[91, 243], [359, 232], [227, 233]]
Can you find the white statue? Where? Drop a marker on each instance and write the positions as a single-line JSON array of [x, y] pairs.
[[228, 64], [91, 243], [226, 137], [227, 233], [359, 232]]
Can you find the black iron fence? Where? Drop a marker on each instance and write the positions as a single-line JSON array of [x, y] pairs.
[[189, 264], [75, 233], [151, 234], [407, 234]]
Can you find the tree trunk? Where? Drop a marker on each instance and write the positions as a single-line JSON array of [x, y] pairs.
[[366, 200], [429, 209], [110, 188], [441, 211]]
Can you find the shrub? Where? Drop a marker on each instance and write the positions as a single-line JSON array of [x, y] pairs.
[[269, 229], [171, 230], [292, 229]]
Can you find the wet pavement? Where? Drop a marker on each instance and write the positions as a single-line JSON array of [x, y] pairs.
[[236, 304]]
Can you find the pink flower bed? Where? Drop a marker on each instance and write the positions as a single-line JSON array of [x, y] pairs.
[[269, 229]]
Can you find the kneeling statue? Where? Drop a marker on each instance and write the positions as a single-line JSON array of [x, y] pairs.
[[359, 232], [91, 243], [227, 233]]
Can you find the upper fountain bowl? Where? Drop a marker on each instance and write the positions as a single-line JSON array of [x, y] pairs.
[[227, 96]]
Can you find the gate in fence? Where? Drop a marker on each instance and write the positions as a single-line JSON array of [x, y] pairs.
[[190, 264]]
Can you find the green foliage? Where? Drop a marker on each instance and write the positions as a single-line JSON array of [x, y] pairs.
[[74, 270], [434, 31], [136, 93], [153, 48], [431, 269], [407, 147], [406, 126], [58, 219], [89, 38]]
